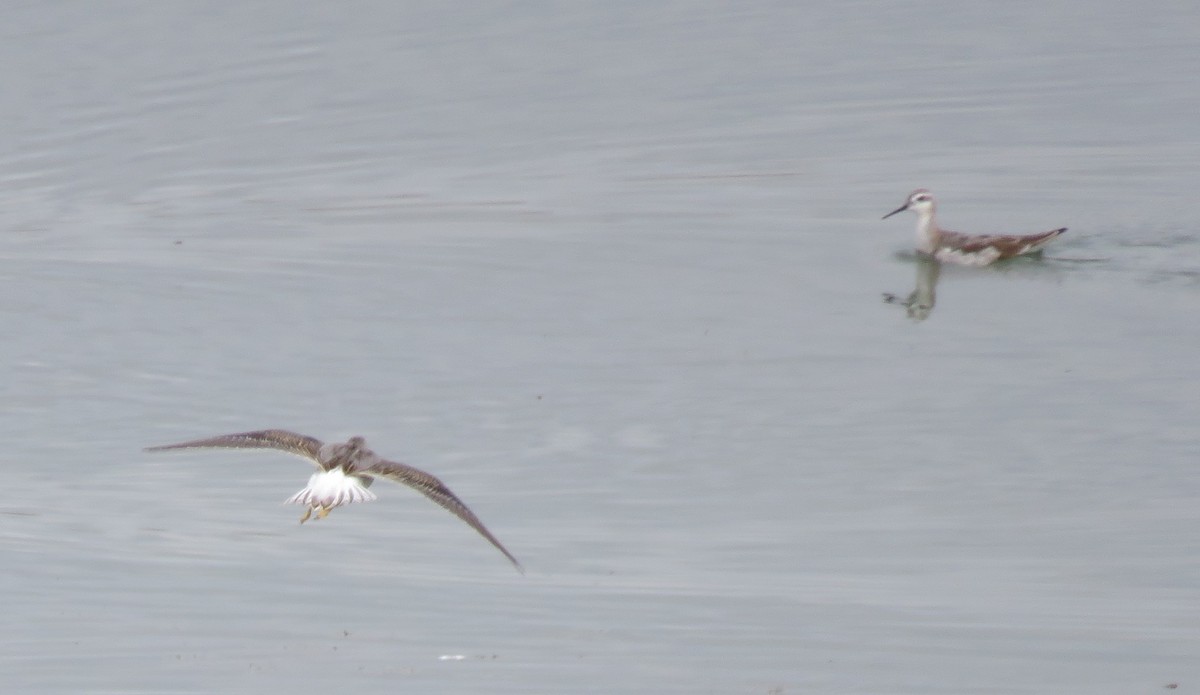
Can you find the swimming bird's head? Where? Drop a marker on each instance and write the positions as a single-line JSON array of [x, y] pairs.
[[919, 201]]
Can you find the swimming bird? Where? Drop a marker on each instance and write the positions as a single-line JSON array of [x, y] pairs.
[[966, 249], [344, 472]]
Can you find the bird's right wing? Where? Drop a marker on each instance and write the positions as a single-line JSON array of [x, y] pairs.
[[291, 442]]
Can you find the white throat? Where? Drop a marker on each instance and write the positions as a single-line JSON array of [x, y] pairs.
[[927, 231]]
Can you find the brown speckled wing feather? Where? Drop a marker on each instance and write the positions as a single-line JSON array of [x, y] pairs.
[[1008, 245], [436, 490], [283, 440]]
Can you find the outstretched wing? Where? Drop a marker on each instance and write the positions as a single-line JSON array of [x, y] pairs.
[[436, 490], [291, 442]]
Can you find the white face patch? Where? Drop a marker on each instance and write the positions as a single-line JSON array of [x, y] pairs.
[[922, 204], [919, 196]]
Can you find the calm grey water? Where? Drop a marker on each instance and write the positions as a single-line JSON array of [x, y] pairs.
[[613, 270]]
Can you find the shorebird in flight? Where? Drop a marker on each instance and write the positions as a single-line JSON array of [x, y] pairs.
[[344, 472], [966, 249]]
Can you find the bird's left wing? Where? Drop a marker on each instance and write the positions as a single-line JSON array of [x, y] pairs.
[[433, 488]]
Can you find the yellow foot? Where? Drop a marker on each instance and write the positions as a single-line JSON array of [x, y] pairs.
[[307, 514], [323, 512]]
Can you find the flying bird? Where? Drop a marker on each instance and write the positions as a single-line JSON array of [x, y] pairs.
[[966, 249], [344, 472]]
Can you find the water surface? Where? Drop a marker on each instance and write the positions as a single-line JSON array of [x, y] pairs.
[[614, 272]]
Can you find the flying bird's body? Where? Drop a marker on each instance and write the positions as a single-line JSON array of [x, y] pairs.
[[966, 249], [345, 471]]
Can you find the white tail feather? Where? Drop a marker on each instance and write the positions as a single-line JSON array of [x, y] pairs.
[[331, 489]]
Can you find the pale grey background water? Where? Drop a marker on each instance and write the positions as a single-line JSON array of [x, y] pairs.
[[613, 271]]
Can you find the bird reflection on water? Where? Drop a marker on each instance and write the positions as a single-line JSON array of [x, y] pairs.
[[921, 300]]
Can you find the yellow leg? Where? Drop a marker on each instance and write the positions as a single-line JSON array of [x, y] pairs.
[[323, 512], [307, 513]]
